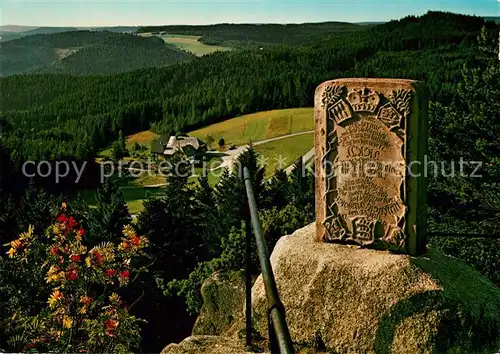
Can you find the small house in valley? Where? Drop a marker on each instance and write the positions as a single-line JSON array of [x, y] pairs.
[[168, 146]]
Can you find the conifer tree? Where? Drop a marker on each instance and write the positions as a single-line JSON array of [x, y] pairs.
[[249, 159], [119, 149], [229, 200], [277, 190], [111, 214], [469, 130], [35, 208], [206, 216], [176, 241]]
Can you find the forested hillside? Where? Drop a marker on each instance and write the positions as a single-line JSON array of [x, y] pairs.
[[91, 110], [120, 54], [8, 36], [103, 274], [85, 52], [260, 35], [49, 30]]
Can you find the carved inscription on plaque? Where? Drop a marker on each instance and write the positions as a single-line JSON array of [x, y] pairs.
[[362, 152]]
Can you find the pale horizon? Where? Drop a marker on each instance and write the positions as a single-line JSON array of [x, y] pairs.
[[138, 14]]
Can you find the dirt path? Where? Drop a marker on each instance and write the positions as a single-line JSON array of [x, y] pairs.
[[232, 155], [229, 157], [281, 137]]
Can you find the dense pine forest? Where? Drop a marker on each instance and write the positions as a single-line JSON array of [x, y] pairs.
[[92, 109], [195, 229], [257, 36]]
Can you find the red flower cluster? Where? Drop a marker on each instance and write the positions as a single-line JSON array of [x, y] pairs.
[[30, 346], [98, 257], [86, 300], [70, 222], [77, 276], [111, 326], [135, 240], [71, 275]]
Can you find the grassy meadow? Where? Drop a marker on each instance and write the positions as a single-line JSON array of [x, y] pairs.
[[192, 45], [259, 126], [189, 44], [283, 153], [144, 138], [133, 190], [238, 131]]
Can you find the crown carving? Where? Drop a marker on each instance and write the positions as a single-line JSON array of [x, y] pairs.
[[365, 100], [364, 228]]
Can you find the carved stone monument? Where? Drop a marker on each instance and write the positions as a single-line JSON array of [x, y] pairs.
[[370, 142]]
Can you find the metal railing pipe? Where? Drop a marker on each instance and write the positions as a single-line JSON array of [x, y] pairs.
[[276, 313], [248, 274]]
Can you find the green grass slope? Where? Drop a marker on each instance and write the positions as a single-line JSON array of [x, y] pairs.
[[191, 44], [280, 154], [259, 126]]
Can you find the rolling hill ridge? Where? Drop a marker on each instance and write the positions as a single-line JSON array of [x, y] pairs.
[[86, 52], [260, 35], [432, 48]]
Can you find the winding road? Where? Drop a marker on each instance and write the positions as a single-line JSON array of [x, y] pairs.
[[232, 155]]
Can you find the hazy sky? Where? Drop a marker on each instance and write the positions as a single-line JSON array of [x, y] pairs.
[[135, 12]]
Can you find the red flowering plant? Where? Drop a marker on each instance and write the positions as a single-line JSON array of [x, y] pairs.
[[83, 311]]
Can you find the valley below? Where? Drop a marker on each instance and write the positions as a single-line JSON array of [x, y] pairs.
[[121, 199]]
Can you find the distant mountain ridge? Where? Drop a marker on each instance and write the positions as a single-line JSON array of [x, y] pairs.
[[48, 30], [16, 28], [85, 52], [495, 19], [259, 35], [28, 30], [116, 49]]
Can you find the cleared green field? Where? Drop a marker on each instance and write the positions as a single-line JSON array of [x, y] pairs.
[[105, 153], [133, 190], [189, 44], [143, 138], [283, 153], [192, 45], [238, 131], [259, 126]]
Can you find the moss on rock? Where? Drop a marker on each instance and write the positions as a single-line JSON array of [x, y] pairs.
[[223, 298], [365, 301]]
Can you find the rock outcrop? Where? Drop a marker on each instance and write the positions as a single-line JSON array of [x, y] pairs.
[[343, 299], [223, 295], [351, 300], [206, 345]]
